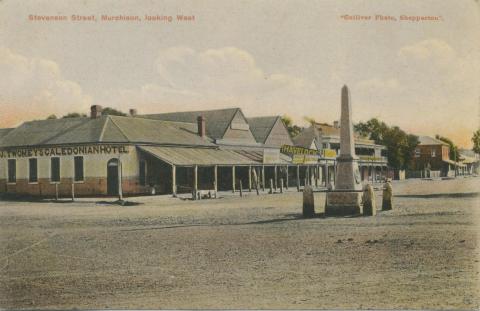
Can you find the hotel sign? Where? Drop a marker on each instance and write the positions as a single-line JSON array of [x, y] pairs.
[[29, 152], [292, 150], [329, 153], [297, 152], [305, 159]]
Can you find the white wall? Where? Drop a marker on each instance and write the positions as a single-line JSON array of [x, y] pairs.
[[95, 165]]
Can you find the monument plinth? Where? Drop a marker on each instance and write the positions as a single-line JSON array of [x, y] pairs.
[[346, 198]]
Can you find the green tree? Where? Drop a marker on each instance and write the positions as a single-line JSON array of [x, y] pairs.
[[112, 112], [453, 148], [400, 145], [52, 117], [293, 129], [373, 129], [409, 149], [476, 141]]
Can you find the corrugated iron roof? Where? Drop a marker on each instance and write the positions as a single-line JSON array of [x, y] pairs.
[[198, 156], [261, 127], [427, 140], [216, 121], [254, 155], [306, 137], [140, 130], [257, 156], [5, 131], [106, 129], [54, 131]]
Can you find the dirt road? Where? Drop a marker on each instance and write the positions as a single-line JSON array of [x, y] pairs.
[[250, 252]]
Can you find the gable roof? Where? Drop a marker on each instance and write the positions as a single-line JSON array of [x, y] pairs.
[[305, 137], [427, 140], [69, 130], [216, 121], [315, 132], [106, 129], [261, 127]]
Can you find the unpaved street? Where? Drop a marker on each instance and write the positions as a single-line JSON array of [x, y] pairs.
[[250, 252]]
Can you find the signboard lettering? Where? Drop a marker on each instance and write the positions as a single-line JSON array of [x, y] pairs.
[[305, 159], [329, 153], [292, 150], [28, 152]]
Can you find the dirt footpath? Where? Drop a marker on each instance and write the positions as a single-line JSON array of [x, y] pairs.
[[250, 252]]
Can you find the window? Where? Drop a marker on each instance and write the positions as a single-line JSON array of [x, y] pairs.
[[143, 173], [32, 170], [417, 153], [446, 153], [12, 170], [55, 169], [78, 174], [434, 153]]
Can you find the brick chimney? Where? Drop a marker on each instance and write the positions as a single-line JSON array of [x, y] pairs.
[[201, 126], [96, 111], [133, 112]]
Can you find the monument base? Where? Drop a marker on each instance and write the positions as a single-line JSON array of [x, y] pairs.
[[343, 203]]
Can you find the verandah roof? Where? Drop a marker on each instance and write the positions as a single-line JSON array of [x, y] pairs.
[[197, 156], [183, 156]]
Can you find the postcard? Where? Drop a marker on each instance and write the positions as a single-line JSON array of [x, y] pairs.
[[274, 154]]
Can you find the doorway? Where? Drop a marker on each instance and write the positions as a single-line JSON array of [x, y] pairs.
[[112, 177]]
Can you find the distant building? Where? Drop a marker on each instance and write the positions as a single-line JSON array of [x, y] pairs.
[[326, 139], [471, 160], [431, 158]]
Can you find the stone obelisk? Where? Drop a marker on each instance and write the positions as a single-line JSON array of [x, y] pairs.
[[345, 199]]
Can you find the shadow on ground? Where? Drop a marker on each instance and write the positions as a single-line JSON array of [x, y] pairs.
[[440, 195]]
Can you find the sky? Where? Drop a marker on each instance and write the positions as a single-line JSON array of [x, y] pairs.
[[267, 57]]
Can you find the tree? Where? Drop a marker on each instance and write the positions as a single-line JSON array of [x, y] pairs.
[[52, 117], [453, 148], [74, 115], [409, 149], [310, 120], [373, 129], [400, 145], [293, 129], [476, 141], [112, 112], [105, 111]]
